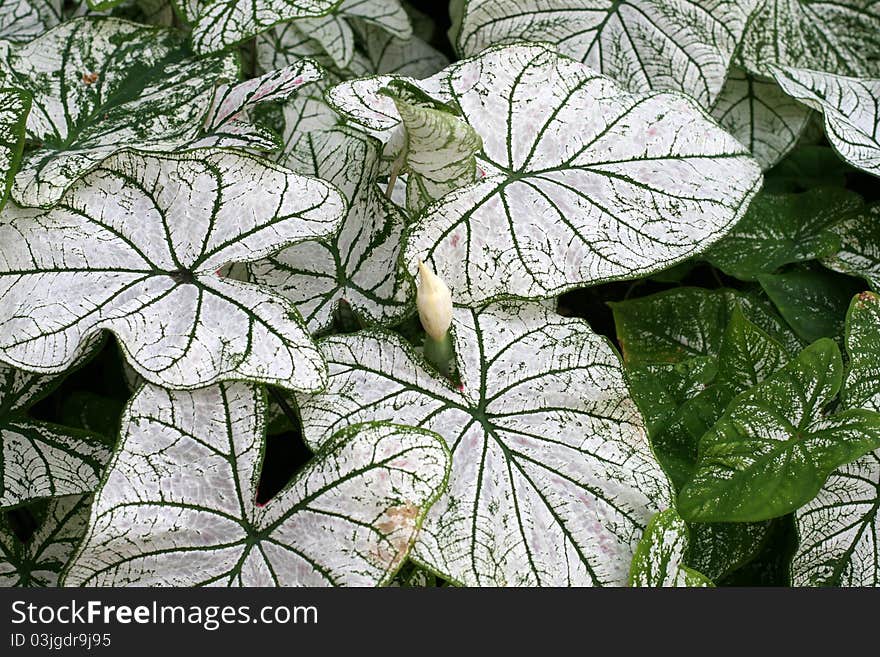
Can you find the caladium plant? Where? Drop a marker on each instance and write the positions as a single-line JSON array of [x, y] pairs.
[[318, 292]]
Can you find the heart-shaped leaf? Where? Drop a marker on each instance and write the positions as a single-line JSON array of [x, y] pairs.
[[644, 182], [14, 108], [39, 459], [552, 477], [852, 117], [101, 85], [222, 23], [760, 115], [84, 266], [860, 246], [685, 45], [774, 447], [840, 36], [386, 53], [23, 20], [39, 561], [840, 529], [781, 229], [178, 503], [658, 561], [356, 266]]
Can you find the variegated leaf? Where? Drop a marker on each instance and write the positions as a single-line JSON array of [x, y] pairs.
[[84, 266], [358, 266], [178, 504], [100, 85], [775, 445], [644, 182], [659, 558], [841, 37], [14, 107], [760, 115], [839, 530], [38, 459], [859, 254], [681, 45], [39, 561], [23, 20], [388, 54], [552, 477], [849, 105], [222, 23]]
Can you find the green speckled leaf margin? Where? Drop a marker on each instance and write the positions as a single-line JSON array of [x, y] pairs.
[[659, 558], [177, 506], [14, 107]]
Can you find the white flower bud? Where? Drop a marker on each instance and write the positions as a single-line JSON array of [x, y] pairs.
[[434, 302]]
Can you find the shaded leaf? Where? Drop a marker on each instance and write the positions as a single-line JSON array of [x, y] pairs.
[[659, 557]]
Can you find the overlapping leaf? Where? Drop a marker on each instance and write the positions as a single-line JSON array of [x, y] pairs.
[[781, 229], [839, 530], [849, 105], [23, 20], [39, 459], [645, 180], [177, 506], [683, 45], [659, 558], [552, 478], [84, 266], [40, 560], [860, 247], [99, 86], [775, 446], [356, 266], [760, 115], [14, 107]]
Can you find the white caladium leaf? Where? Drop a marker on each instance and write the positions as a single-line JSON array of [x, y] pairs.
[[387, 53], [14, 108], [681, 45], [552, 477], [39, 459], [23, 20], [100, 85], [439, 149], [839, 529], [646, 180], [859, 254], [842, 36], [336, 36], [356, 266], [178, 504], [228, 123], [84, 266], [222, 23], [760, 115], [849, 105], [659, 558], [39, 561]]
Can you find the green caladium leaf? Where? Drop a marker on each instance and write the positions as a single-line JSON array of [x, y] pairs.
[[774, 447], [849, 105], [684, 45], [178, 503], [356, 266], [812, 301], [718, 549], [839, 529], [39, 561], [806, 167], [99, 86], [221, 23], [14, 108], [859, 254], [227, 122], [760, 115], [156, 284], [557, 208], [658, 561], [23, 20], [439, 149], [39, 459], [781, 229], [552, 477], [841, 37]]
